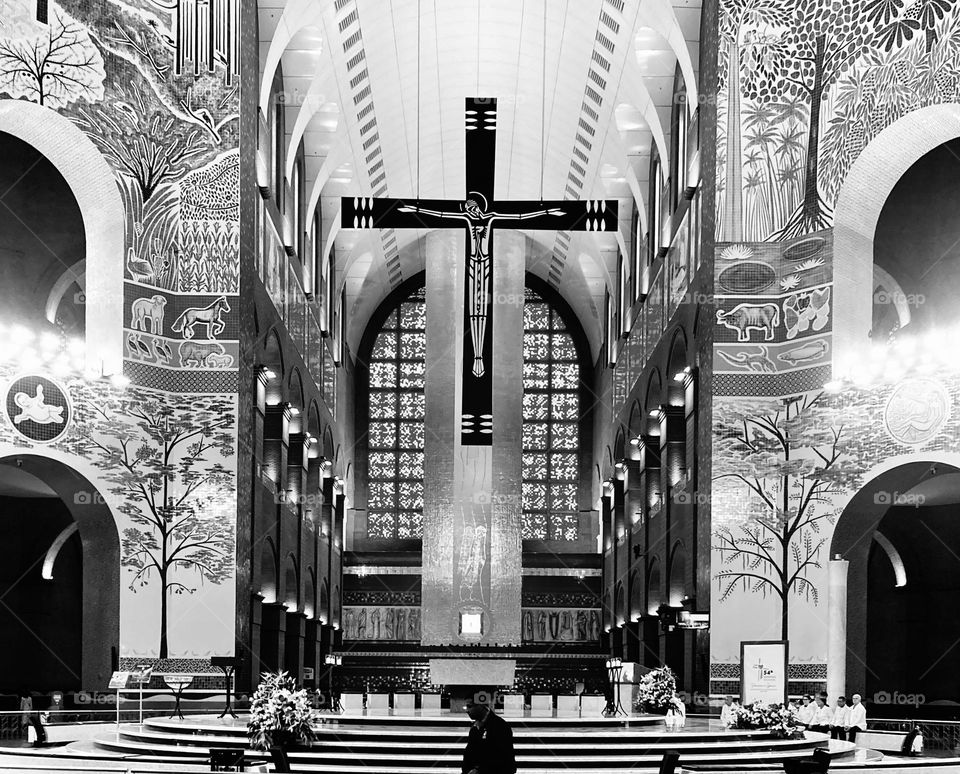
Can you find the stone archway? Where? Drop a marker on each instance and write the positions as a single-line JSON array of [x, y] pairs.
[[100, 548], [872, 177], [93, 184], [898, 480]]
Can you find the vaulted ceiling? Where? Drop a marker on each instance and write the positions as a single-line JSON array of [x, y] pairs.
[[374, 90]]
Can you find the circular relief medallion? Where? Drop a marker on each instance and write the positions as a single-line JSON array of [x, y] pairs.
[[916, 410], [38, 408]]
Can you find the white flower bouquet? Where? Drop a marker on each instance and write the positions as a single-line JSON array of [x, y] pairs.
[[657, 691], [280, 715], [779, 720]]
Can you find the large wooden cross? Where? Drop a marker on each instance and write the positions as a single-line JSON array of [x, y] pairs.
[[479, 214]]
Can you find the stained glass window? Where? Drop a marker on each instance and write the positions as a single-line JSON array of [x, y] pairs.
[[551, 411], [395, 433]]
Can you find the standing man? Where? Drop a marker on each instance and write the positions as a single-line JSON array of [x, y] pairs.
[[490, 744], [857, 719], [30, 717], [841, 719]]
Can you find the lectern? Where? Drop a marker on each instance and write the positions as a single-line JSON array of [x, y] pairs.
[[228, 664]]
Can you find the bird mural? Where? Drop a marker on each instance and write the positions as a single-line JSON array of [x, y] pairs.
[[162, 350], [144, 270], [137, 349]]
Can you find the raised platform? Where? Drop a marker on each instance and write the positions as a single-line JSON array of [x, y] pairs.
[[387, 742]]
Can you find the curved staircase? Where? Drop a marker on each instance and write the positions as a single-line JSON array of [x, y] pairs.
[[409, 744]]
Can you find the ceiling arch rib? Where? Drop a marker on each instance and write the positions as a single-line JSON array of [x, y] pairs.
[[277, 29], [496, 49], [662, 17], [310, 115]]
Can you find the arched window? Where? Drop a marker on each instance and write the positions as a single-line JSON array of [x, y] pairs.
[[656, 210], [551, 413], [276, 126], [295, 236], [396, 410]]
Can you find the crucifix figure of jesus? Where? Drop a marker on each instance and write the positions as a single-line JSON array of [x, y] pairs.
[[479, 260], [480, 215]]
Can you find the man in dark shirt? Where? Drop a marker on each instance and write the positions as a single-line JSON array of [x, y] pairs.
[[490, 745]]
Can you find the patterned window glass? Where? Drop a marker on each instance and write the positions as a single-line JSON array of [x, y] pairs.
[[395, 434], [551, 410]]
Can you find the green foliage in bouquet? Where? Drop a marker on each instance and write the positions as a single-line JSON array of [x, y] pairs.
[[779, 720], [280, 715], [656, 691]]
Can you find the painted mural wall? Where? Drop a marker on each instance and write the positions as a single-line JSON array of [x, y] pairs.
[[154, 87], [804, 86]]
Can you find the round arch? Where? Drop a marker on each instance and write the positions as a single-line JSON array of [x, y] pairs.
[[677, 575], [852, 539], [93, 184], [291, 583], [620, 606], [653, 586], [100, 540], [323, 603], [268, 572], [869, 182]]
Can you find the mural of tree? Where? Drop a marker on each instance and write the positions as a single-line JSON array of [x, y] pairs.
[[143, 140], [885, 85], [54, 64], [168, 466], [805, 47], [742, 42], [790, 457]]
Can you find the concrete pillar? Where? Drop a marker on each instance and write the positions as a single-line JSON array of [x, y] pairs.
[[444, 260], [471, 521], [294, 635], [272, 636], [837, 627]]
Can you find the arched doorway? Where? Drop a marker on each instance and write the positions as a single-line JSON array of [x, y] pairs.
[[900, 538], [42, 257], [93, 185], [59, 578]]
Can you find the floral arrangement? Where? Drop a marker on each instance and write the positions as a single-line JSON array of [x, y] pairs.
[[657, 691], [280, 715], [779, 720]]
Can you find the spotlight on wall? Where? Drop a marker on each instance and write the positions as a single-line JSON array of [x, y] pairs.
[[269, 373], [634, 441], [120, 381], [681, 376]]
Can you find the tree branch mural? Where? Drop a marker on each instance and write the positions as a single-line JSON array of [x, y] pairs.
[[144, 141], [776, 53], [53, 64], [788, 458], [168, 466]]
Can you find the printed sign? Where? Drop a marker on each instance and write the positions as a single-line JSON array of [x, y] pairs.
[[763, 672]]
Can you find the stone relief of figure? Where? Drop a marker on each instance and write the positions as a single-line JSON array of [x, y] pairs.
[[362, 624], [401, 624], [375, 631], [388, 623], [527, 626], [349, 620], [554, 620], [413, 624], [566, 625], [594, 625], [581, 626], [542, 626]]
